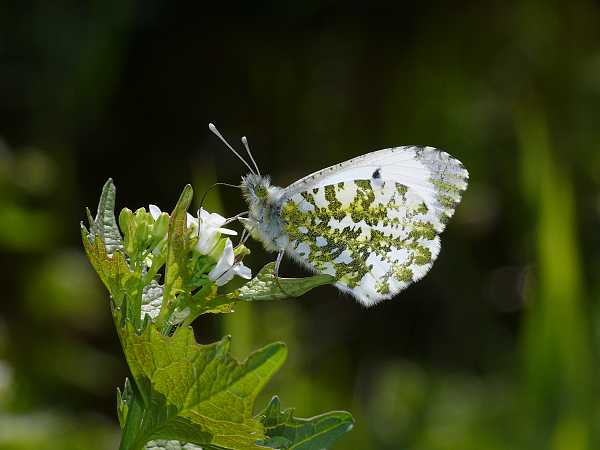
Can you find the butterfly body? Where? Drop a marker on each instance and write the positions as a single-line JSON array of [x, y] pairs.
[[372, 222]]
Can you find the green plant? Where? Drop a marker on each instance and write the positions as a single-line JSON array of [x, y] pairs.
[[163, 271]]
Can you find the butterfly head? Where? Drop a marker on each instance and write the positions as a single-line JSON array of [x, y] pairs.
[[256, 189]]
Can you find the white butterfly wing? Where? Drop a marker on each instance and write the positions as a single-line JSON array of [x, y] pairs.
[[373, 221]]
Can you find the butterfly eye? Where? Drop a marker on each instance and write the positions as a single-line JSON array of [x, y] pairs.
[[261, 191]]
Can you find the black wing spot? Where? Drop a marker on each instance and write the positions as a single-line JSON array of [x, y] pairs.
[[377, 174]]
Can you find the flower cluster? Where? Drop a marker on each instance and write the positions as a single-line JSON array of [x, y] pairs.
[[208, 228], [196, 253]]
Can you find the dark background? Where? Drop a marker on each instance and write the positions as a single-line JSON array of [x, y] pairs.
[[495, 349]]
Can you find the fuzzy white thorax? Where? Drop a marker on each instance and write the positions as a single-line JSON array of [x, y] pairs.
[[264, 204]]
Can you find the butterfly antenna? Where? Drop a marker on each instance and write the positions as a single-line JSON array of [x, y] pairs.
[[212, 128], [214, 186], [245, 142]]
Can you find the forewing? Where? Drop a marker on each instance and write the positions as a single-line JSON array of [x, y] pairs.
[[373, 222], [431, 172]]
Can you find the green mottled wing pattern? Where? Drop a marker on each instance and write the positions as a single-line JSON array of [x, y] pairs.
[[375, 228]]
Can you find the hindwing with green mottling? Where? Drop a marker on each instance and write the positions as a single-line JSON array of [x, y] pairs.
[[374, 222]]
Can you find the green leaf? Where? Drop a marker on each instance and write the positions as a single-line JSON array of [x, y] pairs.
[[206, 301], [113, 270], [105, 223], [265, 287], [176, 272], [286, 432], [195, 393], [104, 246], [176, 445], [172, 445], [123, 401]]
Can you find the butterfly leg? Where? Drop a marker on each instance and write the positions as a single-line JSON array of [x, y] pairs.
[[277, 264], [244, 236], [236, 217]]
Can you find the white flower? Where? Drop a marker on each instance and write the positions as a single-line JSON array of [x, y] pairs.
[[227, 268], [155, 212], [209, 231]]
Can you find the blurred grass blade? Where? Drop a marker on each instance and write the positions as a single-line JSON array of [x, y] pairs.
[[557, 356]]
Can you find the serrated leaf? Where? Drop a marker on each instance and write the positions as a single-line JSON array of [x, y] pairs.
[[105, 223], [104, 247], [124, 399], [286, 432], [113, 270], [196, 393], [176, 271], [265, 287]]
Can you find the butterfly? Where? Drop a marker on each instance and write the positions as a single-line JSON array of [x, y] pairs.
[[372, 222]]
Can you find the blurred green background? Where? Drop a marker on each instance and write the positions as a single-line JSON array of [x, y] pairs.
[[497, 348]]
